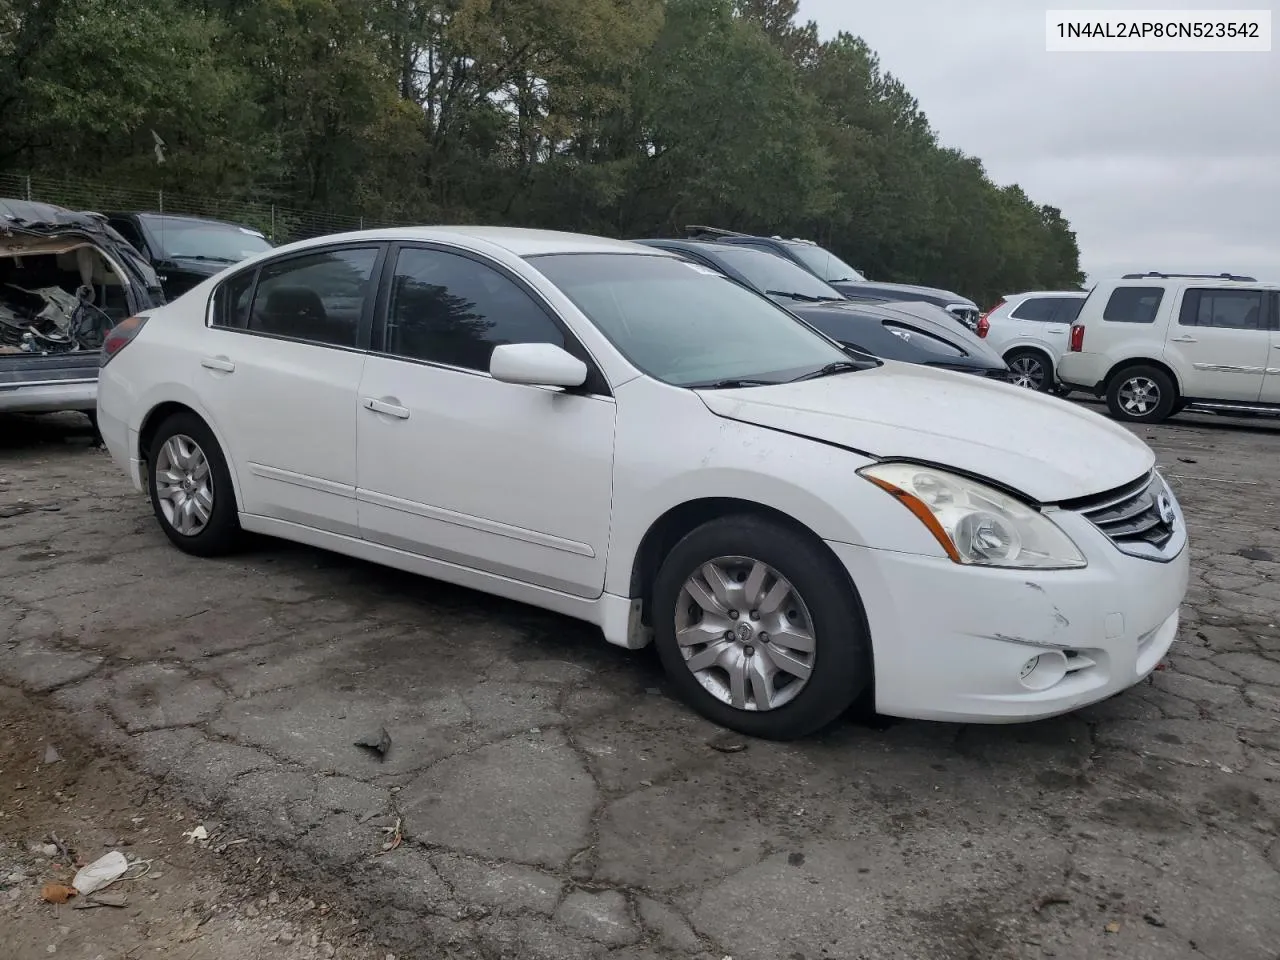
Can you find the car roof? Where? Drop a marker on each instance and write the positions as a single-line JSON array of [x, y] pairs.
[[186, 218], [520, 241], [1048, 293]]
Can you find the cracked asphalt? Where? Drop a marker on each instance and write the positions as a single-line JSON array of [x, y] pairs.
[[555, 803]]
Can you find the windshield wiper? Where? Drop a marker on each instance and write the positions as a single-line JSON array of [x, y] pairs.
[[732, 384], [201, 256], [831, 369], [792, 295]]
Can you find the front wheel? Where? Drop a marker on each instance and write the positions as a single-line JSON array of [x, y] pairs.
[[190, 487], [759, 628], [1141, 394]]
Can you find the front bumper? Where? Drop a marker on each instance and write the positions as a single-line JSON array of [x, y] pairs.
[[953, 642]]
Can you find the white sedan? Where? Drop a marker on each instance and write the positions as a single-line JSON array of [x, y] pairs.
[[604, 430]]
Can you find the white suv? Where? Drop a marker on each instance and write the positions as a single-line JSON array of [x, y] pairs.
[[1029, 331], [1154, 344]]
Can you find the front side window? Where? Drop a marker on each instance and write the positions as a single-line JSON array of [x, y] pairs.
[[318, 296], [775, 276], [450, 309], [1133, 305], [685, 324], [1228, 309], [825, 264]]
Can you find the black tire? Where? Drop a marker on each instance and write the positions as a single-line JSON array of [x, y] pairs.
[[221, 533], [1161, 394], [1032, 364], [841, 663]]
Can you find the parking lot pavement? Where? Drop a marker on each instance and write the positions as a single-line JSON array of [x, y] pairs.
[[555, 803]]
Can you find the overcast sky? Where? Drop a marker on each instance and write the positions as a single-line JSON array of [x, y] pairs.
[[1161, 161]]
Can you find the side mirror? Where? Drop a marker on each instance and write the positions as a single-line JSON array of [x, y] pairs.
[[536, 364]]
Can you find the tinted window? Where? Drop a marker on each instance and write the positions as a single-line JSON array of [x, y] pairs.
[[447, 308], [685, 324], [770, 273], [231, 301], [1230, 309], [318, 297], [1133, 305], [1068, 309], [1049, 309], [1039, 309]]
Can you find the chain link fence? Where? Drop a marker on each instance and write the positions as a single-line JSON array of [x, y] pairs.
[[281, 224]]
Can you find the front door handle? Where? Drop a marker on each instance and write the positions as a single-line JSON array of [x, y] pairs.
[[1184, 340], [221, 364], [390, 409]]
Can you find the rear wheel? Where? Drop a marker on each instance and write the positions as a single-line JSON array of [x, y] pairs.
[[1141, 394], [1030, 369], [759, 628], [190, 487]]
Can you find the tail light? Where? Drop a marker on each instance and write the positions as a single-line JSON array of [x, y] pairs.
[[119, 337], [1077, 338], [984, 324]]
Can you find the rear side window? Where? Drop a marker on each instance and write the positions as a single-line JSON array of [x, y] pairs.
[[318, 297], [1133, 305], [1068, 309], [231, 301], [1039, 309], [1227, 309]]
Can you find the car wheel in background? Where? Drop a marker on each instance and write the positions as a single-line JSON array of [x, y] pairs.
[[1030, 369], [1141, 394], [759, 628], [190, 487]]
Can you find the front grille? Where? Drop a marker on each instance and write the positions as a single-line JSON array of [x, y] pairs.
[[1131, 515]]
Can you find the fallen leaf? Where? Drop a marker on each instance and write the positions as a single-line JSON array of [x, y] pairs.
[[57, 893], [1113, 927]]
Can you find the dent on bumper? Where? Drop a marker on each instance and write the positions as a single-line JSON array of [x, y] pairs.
[[961, 643]]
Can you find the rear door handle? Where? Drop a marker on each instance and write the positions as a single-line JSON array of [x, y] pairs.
[[221, 364], [1184, 340], [390, 409]]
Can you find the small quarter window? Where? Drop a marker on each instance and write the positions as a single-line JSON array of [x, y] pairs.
[[1133, 305]]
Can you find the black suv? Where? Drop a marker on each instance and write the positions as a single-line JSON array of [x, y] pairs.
[[829, 268], [187, 250]]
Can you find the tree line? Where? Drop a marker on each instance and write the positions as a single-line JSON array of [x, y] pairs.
[[628, 118]]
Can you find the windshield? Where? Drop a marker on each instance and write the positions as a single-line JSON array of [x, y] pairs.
[[770, 273], [824, 263], [684, 324], [178, 239]]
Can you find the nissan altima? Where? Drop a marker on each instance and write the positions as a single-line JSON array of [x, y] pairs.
[[608, 431]]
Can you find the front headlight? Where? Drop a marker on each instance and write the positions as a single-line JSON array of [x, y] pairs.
[[974, 523]]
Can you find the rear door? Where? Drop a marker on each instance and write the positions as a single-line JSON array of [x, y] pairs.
[[280, 371], [1220, 339], [1271, 379]]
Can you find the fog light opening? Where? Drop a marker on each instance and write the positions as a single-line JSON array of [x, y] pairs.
[[1043, 671]]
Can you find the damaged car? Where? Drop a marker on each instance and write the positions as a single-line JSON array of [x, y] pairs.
[[66, 278]]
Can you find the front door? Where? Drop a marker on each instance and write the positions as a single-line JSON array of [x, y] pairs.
[[452, 464], [1220, 342], [279, 369]]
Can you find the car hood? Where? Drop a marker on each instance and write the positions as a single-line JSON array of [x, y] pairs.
[[1048, 449], [900, 291], [831, 317]]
